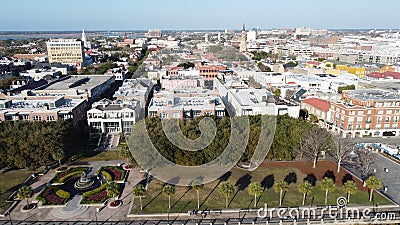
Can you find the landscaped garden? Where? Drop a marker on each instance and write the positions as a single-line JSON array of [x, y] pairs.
[[53, 195], [61, 177], [270, 177], [101, 194], [112, 173]]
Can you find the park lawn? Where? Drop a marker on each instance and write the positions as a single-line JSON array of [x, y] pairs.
[[102, 156], [185, 199], [10, 182]]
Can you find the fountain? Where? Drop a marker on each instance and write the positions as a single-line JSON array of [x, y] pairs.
[[84, 183]]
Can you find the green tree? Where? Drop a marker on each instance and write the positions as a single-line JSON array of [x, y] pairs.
[[255, 189], [168, 190], [306, 189], [373, 183], [112, 189], [277, 92], [125, 153], [280, 187], [139, 191], [58, 154], [226, 189], [327, 185], [197, 185], [25, 192], [350, 188], [347, 87]]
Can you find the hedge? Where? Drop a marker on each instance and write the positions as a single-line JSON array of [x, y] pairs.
[[107, 175], [49, 196], [61, 177], [63, 194], [98, 191]]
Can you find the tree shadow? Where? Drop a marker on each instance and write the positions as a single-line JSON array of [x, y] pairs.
[[291, 178], [311, 178], [243, 182], [152, 200], [330, 174], [225, 177], [176, 202], [268, 182], [346, 178]]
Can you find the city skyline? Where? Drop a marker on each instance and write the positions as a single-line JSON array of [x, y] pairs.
[[46, 15]]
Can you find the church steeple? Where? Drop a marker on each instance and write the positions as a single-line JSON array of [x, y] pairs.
[[243, 40]]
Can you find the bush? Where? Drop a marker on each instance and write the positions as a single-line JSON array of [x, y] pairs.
[[48, 196], [98, 195], [107, 175], [63, 194], [63, 176]]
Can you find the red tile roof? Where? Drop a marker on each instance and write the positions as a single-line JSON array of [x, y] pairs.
[[318, 103]]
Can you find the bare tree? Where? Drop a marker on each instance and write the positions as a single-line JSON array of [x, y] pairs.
[[314, 141], [340, 148], [366, 160]]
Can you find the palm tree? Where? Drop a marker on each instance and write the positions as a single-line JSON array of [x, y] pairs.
[[349, 188], [327, 184], [58, 154], [168, 190], [125, 154], [226, 189], [305, 188], [139, 191], [197, 186], [373, 183], [112, 189], [25, 192], [256, 190], [280, 187]]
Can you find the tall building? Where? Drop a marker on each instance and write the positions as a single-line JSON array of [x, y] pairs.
[[84, 39], [154, 33], [66, 51], [243, 44]]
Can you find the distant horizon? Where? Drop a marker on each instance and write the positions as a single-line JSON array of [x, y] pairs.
[[193, 29], [104, 15]]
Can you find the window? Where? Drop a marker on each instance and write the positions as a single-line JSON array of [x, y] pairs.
[[352, 113], [164, 115], [360, 113], [380, 112], [50, 118], [369, 111], [37, 118], [389, 111], [379, 119]]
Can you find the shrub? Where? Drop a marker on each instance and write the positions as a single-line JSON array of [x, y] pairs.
[[116, 173], [63, 194], [61, 177], [107, 175], [98, 195], [48, 196]]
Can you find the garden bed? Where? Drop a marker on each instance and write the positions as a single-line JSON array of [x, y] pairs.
[[53, 195], [61, 177], [96, 196], [112, 173]]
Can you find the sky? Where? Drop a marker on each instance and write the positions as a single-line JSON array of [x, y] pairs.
[[60, 15]]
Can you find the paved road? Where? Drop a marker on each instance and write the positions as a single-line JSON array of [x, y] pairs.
[[388, 140], [390, 179]]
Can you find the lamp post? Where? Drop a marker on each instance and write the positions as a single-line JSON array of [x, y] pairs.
[[9, 216], [95, 214]]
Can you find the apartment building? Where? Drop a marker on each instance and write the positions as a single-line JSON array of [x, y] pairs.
[[43, 108], [369, 112], [186, 104], [181, 82], [66, 51]]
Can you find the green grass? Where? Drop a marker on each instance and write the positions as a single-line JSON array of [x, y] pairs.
[[10, 182], [102, 156], [185, 199]]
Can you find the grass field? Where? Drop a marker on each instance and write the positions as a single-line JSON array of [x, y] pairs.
[[10, 182], [102, 156], [185, 199]]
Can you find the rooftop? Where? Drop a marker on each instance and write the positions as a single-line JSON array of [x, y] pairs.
[[81, 82], [318, 103], [373, 94]]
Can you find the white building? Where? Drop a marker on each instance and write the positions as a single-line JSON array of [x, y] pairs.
[[117, 116]]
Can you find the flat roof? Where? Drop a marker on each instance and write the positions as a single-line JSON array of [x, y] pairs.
[[81, 82], [373, 94]]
